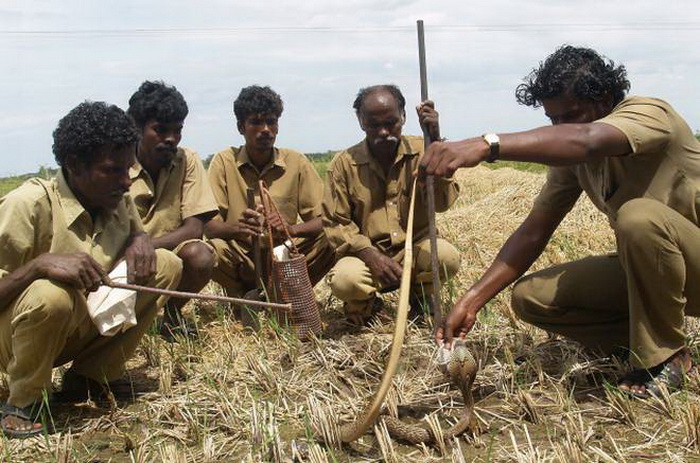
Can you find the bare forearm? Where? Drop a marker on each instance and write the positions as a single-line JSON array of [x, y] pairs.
[[192, 228], [516, 256], [514, 259], [564, 144], [17, 281], [307, 229], [220, 229]]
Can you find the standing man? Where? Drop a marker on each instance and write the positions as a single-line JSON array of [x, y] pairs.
[[172, 193], [639, 163], [58, 240], [368, 188], [294, 185]]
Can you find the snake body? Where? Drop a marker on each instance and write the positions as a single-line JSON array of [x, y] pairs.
[[461, 369]]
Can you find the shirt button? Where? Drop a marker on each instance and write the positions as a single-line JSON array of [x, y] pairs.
[[394, 234]]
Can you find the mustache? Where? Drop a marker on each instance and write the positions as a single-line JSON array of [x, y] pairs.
[[389, 139], [167, 149]]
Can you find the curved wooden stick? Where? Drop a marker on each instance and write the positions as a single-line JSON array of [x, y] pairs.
[[206, 297], [352, 431]]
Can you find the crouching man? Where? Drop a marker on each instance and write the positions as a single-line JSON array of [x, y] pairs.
[[58, 239]]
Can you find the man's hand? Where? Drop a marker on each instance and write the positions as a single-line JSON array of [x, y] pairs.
[[79, 270], [278, 224], [444, 158], [383, 268], [459, 323], [140, 259], [428, 117], [250, 224]]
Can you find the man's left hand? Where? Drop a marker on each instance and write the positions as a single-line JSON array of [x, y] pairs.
[[140, 259], [428, 117]]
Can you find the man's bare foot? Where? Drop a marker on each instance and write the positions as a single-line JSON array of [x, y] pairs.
[[670, 374]]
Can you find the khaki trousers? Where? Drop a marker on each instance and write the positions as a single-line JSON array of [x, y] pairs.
[[48, 325], [236, 272], [352, 282], [636, 300]]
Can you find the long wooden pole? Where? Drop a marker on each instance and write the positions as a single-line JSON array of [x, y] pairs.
[[429, 186]]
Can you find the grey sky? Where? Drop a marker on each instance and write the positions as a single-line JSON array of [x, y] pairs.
[[317, 54]]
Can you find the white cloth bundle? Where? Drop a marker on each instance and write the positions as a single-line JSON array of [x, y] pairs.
[[113, 309]]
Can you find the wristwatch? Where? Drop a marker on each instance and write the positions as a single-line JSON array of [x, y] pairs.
[[494, 143]]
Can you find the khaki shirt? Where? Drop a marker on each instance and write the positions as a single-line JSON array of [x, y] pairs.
[[664, 165], [364, 208], [292, 180], [27, 226], [182, 191]]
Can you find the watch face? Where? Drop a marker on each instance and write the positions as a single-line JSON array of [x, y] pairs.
[[491, 138]]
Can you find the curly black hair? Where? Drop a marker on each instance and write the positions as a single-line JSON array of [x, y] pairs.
[[367, 91], [580, 72], [159, 101], [257, 100], [90, 126]]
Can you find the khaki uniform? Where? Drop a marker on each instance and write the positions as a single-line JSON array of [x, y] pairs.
[[48, 323], [365, 208], [182, 191], [296, 190], [636, 299]]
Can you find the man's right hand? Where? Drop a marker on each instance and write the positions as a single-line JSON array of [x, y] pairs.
[[79, 270], [459, 322], [250, 224], [384, 269]]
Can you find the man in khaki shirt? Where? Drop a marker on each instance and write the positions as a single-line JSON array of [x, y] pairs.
[[366, 207], [294, 185], [172, 193], [639, 163], [59, 240]]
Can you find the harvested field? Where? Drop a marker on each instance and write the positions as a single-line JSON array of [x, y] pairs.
[[236, 396]]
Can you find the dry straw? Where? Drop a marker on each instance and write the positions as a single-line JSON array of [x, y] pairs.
[[236, 396]]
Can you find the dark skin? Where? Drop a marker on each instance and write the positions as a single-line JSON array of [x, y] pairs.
[[573, 138], [156, 151], [260, 132], [100, 187], [382, 120]]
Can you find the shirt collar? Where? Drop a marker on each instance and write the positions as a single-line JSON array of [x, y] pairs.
[[71, 208], [363, 156], [137, 169], [242, 158]]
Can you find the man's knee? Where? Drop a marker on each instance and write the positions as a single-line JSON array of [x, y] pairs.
[[346, 278], [449, 258], [197, 258], [48, 300], [639, 219], [523, 301]]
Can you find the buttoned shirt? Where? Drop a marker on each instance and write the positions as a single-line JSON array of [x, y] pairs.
[[27, 225], [364, 207], [664, 165], [292, 180], [181, 191]]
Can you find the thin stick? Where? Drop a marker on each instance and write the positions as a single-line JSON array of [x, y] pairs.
[[257, 256], [429, 186], [206, 297]]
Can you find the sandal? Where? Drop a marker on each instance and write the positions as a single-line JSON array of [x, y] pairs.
[[669, 376], [31, 414]]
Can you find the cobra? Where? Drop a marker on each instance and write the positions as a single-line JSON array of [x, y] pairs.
[[461, 369]]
